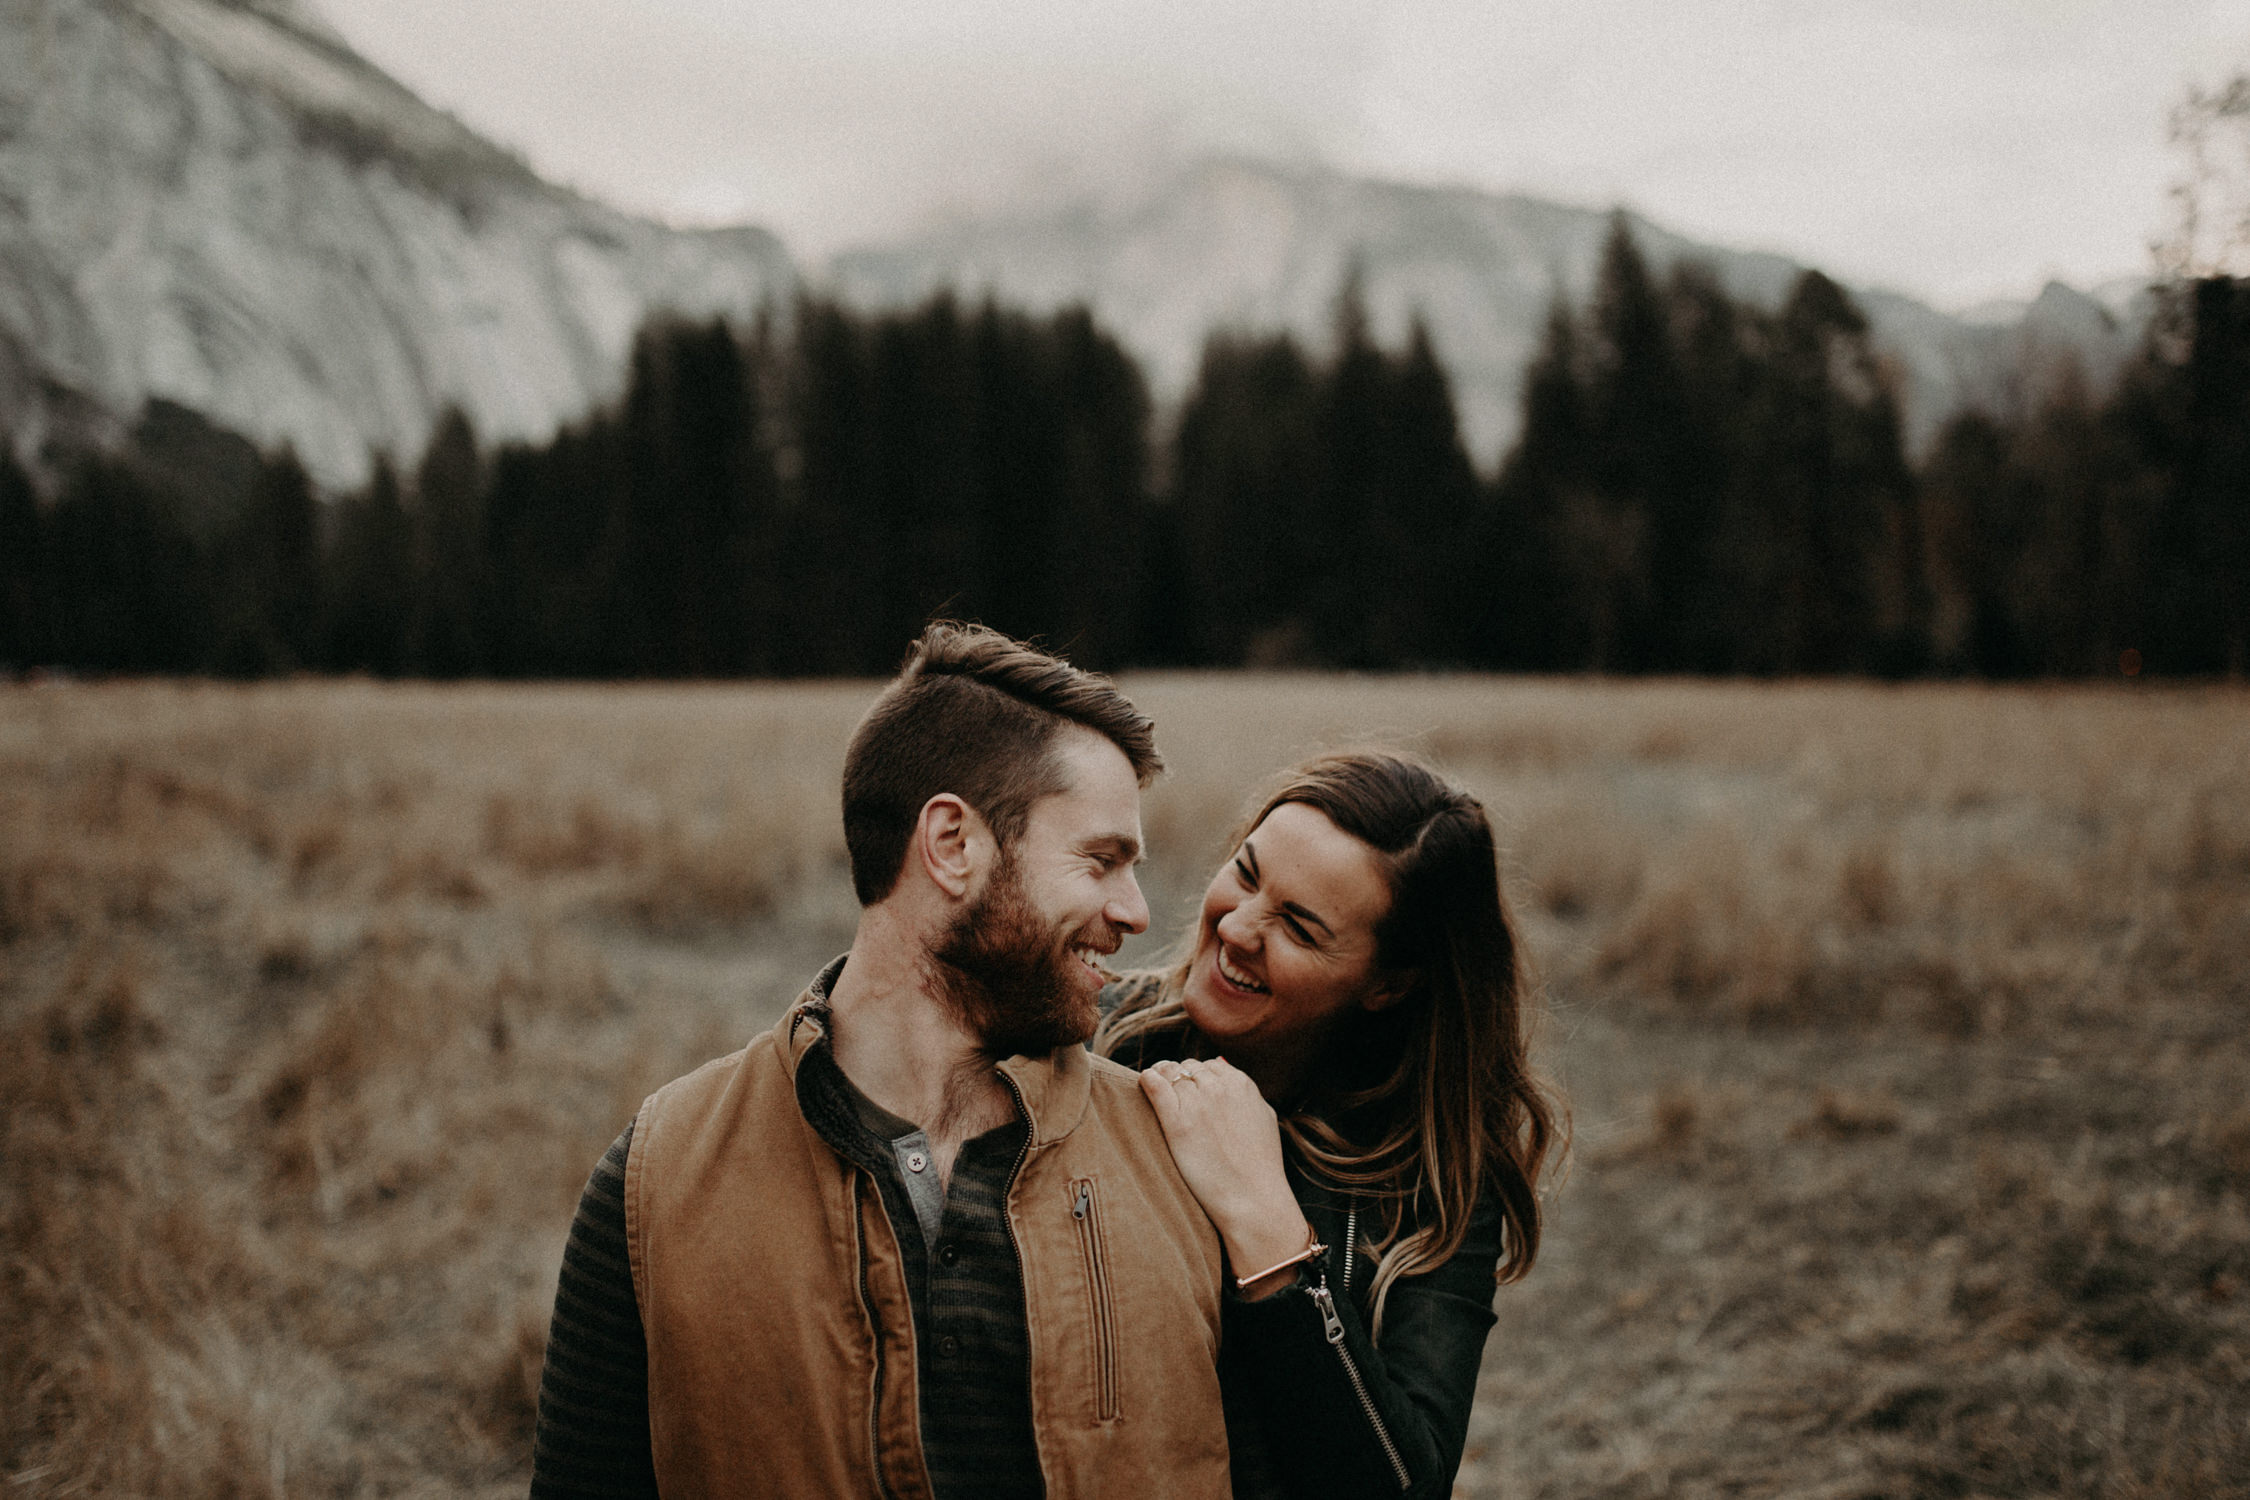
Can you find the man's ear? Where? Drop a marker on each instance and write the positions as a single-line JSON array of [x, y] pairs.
[[1388, 990], [952, 843]]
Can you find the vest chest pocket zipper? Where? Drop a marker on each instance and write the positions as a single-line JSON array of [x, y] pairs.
[[1086, 1210]]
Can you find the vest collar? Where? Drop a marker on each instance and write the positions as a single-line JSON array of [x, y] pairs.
[[807, 1021], [1053, 1088]]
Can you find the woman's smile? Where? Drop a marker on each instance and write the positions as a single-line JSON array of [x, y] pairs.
[[1232, 975]]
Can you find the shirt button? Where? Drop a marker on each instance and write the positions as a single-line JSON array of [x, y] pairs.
[[949, 1346], [947, 1254], [916, 1161]]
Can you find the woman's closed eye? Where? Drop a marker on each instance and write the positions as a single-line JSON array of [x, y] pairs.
[[1247, 874]]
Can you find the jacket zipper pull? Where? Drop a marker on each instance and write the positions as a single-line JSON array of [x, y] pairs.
[[1085, 1199], [1326, 1302]]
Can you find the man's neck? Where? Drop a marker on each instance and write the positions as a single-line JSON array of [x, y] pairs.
[[903, 1047]]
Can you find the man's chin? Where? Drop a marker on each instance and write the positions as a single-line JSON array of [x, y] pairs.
[[1082, 1019], [1061, 1026]]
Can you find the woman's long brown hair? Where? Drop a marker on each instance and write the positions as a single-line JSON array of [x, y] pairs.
[[1436, 1092]]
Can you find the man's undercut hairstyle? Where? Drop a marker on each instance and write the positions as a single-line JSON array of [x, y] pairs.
[[976, 714]]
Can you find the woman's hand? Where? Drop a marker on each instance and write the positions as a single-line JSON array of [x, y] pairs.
[[1227, 1144]]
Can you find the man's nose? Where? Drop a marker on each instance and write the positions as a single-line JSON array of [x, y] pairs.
[[1129, 908]]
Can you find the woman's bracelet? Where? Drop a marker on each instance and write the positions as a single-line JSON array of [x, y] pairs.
[[1312, 1248]]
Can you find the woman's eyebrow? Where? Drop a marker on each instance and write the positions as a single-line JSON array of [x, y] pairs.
[[1302, 913]]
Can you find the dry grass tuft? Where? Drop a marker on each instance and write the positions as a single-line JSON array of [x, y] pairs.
[[709, 885], [1672, 1120], [537, 840], [1847, 1114]]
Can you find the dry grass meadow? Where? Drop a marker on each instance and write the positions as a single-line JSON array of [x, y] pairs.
[[1904, 1030]]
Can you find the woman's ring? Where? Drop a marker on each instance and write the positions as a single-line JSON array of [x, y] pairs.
[[1189, 1071]]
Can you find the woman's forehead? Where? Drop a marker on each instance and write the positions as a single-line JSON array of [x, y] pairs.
[[1302, 852]]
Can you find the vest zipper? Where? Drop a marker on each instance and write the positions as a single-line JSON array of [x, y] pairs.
[[1007, 1222], [1334, 1326], [875, 1321], [1086, 1209], [1351, 1239]]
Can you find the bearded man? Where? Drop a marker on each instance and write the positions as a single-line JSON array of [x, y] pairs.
[[894, 1245]]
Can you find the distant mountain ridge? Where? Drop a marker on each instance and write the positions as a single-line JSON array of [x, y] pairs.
[[219, 203], [1230, 242]]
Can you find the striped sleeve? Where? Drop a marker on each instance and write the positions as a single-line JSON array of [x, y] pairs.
[[592, 1438]]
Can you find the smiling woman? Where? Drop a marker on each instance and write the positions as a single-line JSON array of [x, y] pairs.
[[1339, 1064], [1286, 946]]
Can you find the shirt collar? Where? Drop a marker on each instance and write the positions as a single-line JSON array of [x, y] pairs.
[[1052, 1088]]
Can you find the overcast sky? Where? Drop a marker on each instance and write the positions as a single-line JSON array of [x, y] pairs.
[[1956, 149]]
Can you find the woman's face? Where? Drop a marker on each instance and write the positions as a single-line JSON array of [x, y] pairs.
[[1286, 945]]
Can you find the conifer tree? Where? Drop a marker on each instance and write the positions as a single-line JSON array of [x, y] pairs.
[[828, 504], [371, 574], [928, 472], [1705, 522], [1525, 572], [2215, 479], [1345, 570], [445, 625], [1826, 478], [1644, 530], [1065, 462], [1245, 459], [1967, 498], [553, 520], [1414, 555], [126, 582], [22, 577], [998, 570], [275, 567], [698, 501], [1106, 529]]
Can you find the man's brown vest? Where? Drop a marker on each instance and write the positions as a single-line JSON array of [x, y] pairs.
[[780, 1339]]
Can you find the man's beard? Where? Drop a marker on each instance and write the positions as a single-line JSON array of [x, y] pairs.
[[1009, 976]]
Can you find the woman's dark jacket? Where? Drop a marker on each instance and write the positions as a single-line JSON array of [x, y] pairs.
[[1314, 1406]]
